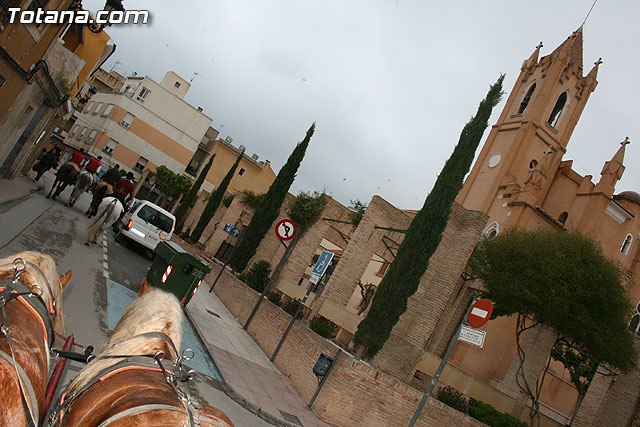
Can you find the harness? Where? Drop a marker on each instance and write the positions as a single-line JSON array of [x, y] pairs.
[[175, 376], [45, 313]]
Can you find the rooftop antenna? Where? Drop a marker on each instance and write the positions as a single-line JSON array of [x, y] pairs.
[[589, 13], [114, 65], [195, 74]]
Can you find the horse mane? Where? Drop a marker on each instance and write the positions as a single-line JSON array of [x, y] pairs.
[[46, 269], [155, 311]]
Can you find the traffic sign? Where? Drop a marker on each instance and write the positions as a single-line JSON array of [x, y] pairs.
[[285, 229], [472, 336], [323, 263], [480, 313], [235, 232]]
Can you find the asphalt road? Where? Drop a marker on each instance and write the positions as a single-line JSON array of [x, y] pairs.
[[37, 223]]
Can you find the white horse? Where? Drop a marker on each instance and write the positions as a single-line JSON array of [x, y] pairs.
[[82, 184], [109, 211]]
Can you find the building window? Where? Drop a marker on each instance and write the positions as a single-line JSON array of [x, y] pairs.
[[554, 118], [4, 12], [526, 99], [241, 171], [383, 268], [89, 107], [82, 133], [177, 84], [141, 164], [562, 219], [634, 323], [532, 164], [92, 136], [2, 79], [98, 107], [142, 95], [626, 244], [491, 231], [73, 132], [107, 110], [35, 5], [111, 145], [127, 120]]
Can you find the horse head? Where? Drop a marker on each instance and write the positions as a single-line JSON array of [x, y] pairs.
[[151, 324], [38, 273]]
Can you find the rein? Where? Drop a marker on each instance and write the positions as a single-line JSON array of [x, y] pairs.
[[175, 377], [16, 290]]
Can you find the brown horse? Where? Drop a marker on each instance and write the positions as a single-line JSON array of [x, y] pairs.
[[101, 190], [31, 305], [66, 175], [138, 378]]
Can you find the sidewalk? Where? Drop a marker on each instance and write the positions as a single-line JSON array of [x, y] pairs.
[[20, 188], [245, 369]]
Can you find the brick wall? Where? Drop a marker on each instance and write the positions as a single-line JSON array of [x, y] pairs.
[[355, 393], [301, 256], [365, 241], [432, 303], [611, 400]]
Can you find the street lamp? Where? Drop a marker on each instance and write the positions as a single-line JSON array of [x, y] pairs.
[[109, 6]]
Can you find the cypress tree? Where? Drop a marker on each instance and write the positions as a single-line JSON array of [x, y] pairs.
[[424, 234], [269, 207], [190, 198], [214, 202]]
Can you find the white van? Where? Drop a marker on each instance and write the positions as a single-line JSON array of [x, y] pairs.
[[147, 224]]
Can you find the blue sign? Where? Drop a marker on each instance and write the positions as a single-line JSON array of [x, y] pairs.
[[323, 263], [235, 232]]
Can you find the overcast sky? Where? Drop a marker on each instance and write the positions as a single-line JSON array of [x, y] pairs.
[[390, 84]]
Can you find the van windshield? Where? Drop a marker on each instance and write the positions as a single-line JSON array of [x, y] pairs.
[[156, 218]]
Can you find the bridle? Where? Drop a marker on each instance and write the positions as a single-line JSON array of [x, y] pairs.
[[176, 376], [45, 313]]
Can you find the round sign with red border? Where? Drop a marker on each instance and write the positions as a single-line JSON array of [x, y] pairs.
[[286, 229], [480, 313]]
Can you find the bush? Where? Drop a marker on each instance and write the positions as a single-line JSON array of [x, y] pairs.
[[322, 326], [491, 416], [227, 200], [258, 275], [291, 307], [452, 397], [274, 298]]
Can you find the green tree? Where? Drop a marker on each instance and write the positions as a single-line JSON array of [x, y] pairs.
[[269, 207], [170, 183], [424, 235], [258, 275], [214, 202], [252, 199], [358, 210], [190, 198], [306, 209], [563, 281]]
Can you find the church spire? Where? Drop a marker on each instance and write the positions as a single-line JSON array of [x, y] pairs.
[[572, 47], [612, 171]]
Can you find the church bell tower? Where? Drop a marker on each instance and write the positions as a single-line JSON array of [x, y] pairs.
[[525, 147]]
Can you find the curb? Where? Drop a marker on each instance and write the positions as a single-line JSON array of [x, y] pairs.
[[232, 394], [22, 197]]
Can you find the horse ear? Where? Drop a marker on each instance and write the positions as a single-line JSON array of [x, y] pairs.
[[64, 279]]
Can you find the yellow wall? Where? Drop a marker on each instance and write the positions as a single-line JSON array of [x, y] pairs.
[[91, 52]]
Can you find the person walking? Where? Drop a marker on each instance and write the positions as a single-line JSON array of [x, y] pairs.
[[47, 162]]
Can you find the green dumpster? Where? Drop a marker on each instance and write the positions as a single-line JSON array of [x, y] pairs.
[[175, 270]]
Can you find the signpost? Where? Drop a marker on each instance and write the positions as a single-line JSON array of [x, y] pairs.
[[324, 260], [285, 230], [481, 309]]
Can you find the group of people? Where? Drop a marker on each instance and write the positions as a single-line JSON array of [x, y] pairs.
[[112, 182]]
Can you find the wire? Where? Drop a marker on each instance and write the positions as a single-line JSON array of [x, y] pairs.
[[589, 13]]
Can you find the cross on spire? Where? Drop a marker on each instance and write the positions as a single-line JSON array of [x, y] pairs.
[[625, 142], [539, 45], [598, 62]]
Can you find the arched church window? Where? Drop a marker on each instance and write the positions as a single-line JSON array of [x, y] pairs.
[[532, 164], [634, 323], [563, 218], [491, 230], [557, 109], [527, 98], [626, 244]]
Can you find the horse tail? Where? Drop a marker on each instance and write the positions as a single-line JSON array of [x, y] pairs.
[[100, 221]]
